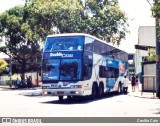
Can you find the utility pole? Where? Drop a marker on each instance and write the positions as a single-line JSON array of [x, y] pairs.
[[10, 73], [157, 59], [157, 52]]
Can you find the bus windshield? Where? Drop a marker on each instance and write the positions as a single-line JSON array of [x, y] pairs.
[[61, 69], [64, 43], [70, 69]]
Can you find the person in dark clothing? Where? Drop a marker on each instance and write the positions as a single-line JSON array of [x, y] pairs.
[[18, 83], [28, 82], [121, 88], [133, 82]]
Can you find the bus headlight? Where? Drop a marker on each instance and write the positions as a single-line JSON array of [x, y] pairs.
[[45, 93], [77, 92]]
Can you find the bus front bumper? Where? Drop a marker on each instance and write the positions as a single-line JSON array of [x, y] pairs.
[[63, 92]]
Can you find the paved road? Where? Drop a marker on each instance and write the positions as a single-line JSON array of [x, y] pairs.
[[30, 103]]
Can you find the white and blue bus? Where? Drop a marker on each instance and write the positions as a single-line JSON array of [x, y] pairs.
[[78, 64]]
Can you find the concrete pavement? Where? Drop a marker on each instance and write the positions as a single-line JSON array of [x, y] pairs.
[[140, 93]]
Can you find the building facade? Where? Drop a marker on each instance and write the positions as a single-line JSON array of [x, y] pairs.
[[131, 63], [146, 38]]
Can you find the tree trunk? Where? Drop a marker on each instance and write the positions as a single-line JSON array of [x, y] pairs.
[[23, 68]]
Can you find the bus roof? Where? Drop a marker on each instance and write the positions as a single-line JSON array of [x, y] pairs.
[[84, 34]]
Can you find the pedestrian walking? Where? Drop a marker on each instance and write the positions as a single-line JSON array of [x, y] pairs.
[[120, 84], [125, 82], [137, 83], [18, 83], [28, 82], [133, 81]]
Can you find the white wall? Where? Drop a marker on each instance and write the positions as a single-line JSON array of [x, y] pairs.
[[146, 36]]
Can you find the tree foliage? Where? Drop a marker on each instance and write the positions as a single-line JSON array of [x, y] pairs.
[[156, 14], [101, 18], [3, 65], [152, 55], [108, 21], [18, 45]]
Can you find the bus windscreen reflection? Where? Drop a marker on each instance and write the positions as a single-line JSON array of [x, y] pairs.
[[70, 69]]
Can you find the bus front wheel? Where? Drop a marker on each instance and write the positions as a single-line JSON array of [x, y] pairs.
[[69, 97]]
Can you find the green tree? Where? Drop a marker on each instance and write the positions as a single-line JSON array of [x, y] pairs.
[[108, 22], [3, 65], [100, 18], [156, 14], [18, 45]]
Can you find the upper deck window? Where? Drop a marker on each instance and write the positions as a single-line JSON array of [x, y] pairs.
[[64, 43]]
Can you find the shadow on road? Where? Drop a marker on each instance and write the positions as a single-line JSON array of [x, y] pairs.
[[5, 88], [80, 100], [158, 111], [32, 94]]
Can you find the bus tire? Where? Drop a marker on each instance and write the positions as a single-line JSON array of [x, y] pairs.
[[69, 97], [60, 98], [94, 91], [101, 90]]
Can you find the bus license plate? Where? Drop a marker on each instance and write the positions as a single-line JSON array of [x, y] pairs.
[[60, 92]]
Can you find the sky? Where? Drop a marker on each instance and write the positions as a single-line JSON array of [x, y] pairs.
[[138, 12], [7, 4]]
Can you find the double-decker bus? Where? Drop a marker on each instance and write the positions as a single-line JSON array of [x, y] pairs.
[[78, 64]]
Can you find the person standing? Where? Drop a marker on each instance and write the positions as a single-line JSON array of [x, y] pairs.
[[133, 81], [137, 83], [18, 83], [125, 82]]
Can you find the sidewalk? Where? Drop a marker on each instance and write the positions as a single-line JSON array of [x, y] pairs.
[[4, 87], [140, 94], [7, 87]]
